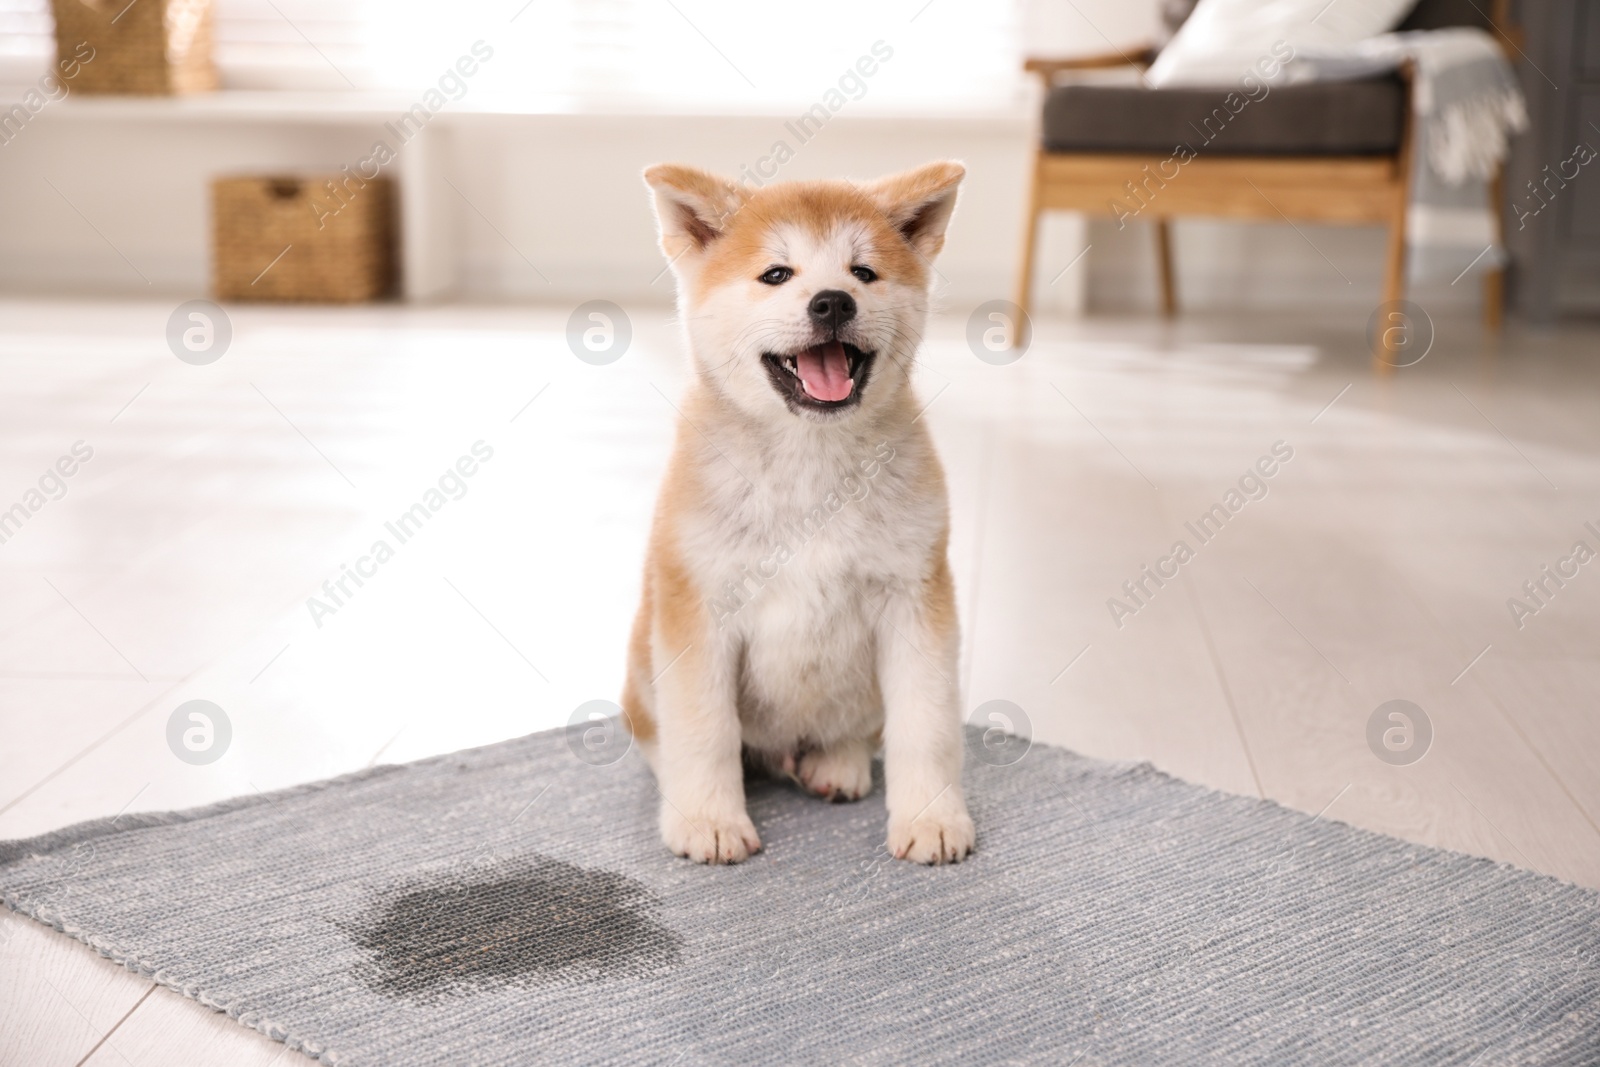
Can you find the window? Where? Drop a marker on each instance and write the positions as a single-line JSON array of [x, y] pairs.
[[25, 42], [724, 55]]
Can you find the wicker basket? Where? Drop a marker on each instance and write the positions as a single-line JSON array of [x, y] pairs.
[[143, 48], [323, 239]]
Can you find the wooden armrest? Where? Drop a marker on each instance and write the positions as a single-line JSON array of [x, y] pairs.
[[1136, 56], [1511, 35]]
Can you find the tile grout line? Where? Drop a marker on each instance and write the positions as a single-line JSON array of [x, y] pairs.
[[102, 739], [1222, 681], [1190, 583], [979, 539], [1537, 755], [87, 1056], [1501, 709], [119, 727]]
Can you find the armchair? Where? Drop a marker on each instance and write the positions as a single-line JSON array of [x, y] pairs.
[[1334, 152]]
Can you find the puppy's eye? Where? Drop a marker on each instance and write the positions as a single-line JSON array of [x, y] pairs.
[[776, 276], [864, 274]]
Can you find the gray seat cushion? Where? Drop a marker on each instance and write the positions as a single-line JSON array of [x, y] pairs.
[[1319, 118], [1425, 15], [1438, 14], [1316, 119]]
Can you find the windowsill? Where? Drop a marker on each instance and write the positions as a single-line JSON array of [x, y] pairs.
[[379, 107]]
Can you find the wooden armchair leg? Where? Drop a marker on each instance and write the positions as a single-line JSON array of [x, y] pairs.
[[1030, 240], [1384, 355], [1494, 300], [1169, 288], [1394, 279], [1494, 281]]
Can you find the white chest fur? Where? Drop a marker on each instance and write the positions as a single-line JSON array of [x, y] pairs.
[[795, 553]]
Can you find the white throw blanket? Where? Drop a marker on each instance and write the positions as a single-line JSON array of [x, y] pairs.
[[1466, 103]]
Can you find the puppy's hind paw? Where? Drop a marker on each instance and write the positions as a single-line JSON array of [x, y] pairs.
[[842, 773], [729, 838]]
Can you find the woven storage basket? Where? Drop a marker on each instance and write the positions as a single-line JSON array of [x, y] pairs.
[[323, 239], [143, 48]]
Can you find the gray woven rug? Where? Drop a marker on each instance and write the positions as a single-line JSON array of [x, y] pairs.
[[512, 905]]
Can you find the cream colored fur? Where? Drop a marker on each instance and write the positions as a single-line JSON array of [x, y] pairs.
[[769, 631]]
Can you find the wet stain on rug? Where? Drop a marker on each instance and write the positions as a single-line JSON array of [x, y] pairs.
[[513, 922]]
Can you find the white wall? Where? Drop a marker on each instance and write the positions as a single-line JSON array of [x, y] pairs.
[[570, 196], [92, 205], [1057, 27]]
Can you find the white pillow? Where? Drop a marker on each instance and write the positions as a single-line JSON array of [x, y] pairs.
[[1226, 39]]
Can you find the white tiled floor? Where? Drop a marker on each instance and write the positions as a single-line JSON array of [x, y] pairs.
[[219, 498]]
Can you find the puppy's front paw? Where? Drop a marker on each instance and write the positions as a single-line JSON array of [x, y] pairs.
[[942, 834], [841, 773], [725, 838]]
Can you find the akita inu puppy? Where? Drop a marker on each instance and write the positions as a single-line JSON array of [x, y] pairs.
[[798, 608]]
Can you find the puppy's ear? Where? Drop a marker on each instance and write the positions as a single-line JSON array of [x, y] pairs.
[[919, 202], [693, 208]]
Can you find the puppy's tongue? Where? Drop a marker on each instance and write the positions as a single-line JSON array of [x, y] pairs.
[[825, 371]]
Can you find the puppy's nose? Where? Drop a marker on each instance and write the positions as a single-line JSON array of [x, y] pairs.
[[832, 308]]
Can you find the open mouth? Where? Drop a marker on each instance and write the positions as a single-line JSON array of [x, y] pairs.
[[824, 377]]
